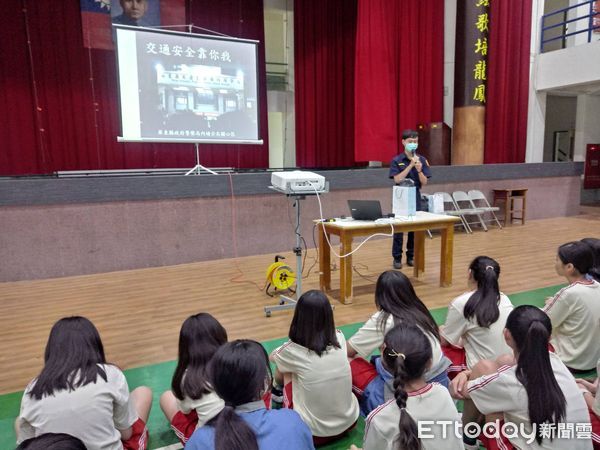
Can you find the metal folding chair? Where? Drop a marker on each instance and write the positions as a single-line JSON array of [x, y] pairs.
[[464, 204], [451, 209], [478, 200]]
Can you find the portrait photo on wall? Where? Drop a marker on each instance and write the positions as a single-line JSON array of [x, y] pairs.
[[138, 13]]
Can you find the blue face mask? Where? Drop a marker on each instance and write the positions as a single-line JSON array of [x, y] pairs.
[[412, 146]]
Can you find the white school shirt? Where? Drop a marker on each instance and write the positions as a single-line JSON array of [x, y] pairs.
[[370, 337], [94, 413], [321, 386], [430, 403], [596, 405], [479, 342], [575, 315], [207, 407], [501, 392]]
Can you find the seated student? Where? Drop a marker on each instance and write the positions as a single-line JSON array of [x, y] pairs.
[[52, 441], [594, 272], [315, 371], [79, 393], [475, 322], [191, 402], [592, 399], [396, 302], [393, 425], [240, 374], [538, 390], [575, 309]]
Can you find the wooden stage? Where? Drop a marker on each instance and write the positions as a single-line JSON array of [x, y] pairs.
[[139, 312]]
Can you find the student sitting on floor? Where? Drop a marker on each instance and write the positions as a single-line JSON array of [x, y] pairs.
[[396, 302], [393, 425], [191, 402], [79, 393], [575, 309], [240, 374], [475, 322], [315, 372], [52, 441], [592, 399], [537, 395]]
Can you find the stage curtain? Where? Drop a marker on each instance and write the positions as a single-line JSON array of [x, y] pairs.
[[399, 72], [324, 53], [74, 122], [508, 81]]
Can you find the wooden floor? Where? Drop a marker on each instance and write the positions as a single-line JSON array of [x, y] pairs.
[[139, 312]]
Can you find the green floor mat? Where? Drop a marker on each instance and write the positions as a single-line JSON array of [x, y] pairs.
[[158, 378]]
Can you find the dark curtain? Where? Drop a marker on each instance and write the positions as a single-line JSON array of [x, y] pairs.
[[508, 81], [324, 47], [58, 100], [399, 72]]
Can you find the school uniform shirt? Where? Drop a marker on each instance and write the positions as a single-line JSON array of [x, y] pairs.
[[321, 386], [430, 403], [575, 315], [275, 429], [479, 342], [501, 392], [370, 337], [206, 407], [94, 413], [596, 405]]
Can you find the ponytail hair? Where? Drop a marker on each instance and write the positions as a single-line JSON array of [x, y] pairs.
[[578, 253], [483, 304], [408, 351], [594, 244], [239, 373], [531, 328]]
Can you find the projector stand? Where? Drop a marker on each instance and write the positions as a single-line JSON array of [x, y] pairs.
[[286, 302], [198, 167]]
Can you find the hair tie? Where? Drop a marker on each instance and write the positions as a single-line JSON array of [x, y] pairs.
[[489, 268], [402, 409], [395, 354]]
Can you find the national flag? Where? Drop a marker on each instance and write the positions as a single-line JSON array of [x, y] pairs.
[[96, 24]]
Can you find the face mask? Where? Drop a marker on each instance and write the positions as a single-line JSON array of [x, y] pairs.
[[412, 146]]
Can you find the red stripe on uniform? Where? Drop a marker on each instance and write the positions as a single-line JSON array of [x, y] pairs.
[[424, 389], [374, 413]]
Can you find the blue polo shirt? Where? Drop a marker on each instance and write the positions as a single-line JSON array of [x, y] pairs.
[[275, 429], [401, 162]]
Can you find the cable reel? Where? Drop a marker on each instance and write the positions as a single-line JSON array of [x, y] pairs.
[[280, 277]]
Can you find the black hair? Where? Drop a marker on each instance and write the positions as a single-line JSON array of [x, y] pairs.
[[239, 373], [72, 359], [530, 329], [395, 295], [409, 134], [483, 303], [200, 337], [312, 325], [577, 253], [407, 352], [594, 244], [52, 441]]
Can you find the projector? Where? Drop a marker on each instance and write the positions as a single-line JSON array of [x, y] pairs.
[[298, 181]]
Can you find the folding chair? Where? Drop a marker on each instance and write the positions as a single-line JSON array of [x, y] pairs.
[[451, 209], [464, 204], [478, 200]]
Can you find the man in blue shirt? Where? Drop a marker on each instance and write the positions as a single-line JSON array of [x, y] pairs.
[[408, 166]]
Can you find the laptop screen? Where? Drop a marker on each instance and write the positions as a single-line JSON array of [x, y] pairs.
[[365, 209]]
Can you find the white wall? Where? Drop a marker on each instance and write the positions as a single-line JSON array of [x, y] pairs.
[[449, 59], [573, 66], [279, 47]]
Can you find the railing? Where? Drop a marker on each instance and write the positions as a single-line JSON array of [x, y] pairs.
[[593, 23]]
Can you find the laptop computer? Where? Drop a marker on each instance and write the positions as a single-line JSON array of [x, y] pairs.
[[365, 209]]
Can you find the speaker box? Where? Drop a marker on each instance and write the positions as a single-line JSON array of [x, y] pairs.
[[435, 139]]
